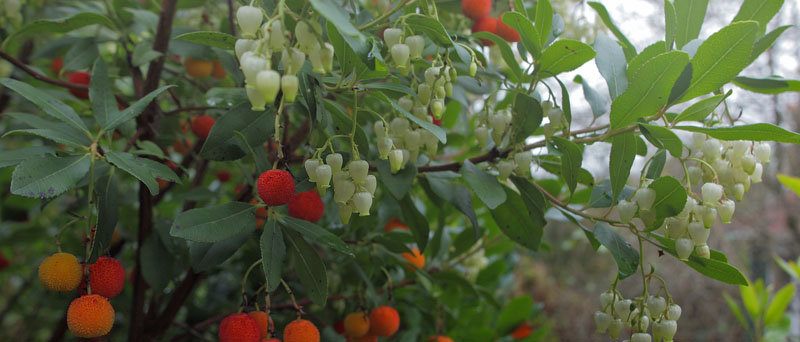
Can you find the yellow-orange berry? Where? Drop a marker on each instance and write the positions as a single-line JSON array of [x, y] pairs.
[[300, 330], [415, 259], [218, 71], [197, 68], [60, 272], [384, 321], [264, 322], [356, 324], [90, 316]]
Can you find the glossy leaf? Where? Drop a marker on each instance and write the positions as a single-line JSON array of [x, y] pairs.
[[104, 105], [769, 85], [671, 23], [48, 176], [505, 51], [527, 32], [778, 305], [485, 186], [58, 132], [255, 126], [626, 257], [517, 222], [760, 11], [670, 196], [623, 153], [214, 223], [398, 183], [700, 110], [309, 267], [754, 132], [273, 252], [662, 137], [215, 39], [62, 25], [107, 213], [134, 110], [544, 20], [597, 102], [527, 118], [571, 160], [205, 256], [16, 156], [317, 234], [417, 223], [763, 43], [690, 15], [646, 55], [47, 103], [565, 55]]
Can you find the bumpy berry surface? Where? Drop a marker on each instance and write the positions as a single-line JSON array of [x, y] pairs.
[[300, 331], [107, 277], [90, 316], [56, 64], [275, 187], [239, 328], [306, 206], [79, 78], [476, 9], [60, 272], [264, 322], [201, 126], [356, 324], [384, 321]]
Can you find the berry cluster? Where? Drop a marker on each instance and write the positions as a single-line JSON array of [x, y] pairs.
[[276, 188], [255, 53], [618, 312], [257, 326], [479, 11], [382, 321]]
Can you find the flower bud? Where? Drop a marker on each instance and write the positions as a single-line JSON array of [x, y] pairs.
[[345, 211], [371, 183], [384, 146], [396, 160], [276, 38], [602, 320], [695, 174], [641, 337], [268, 82], [400, 54], [626, 210], [437, 108], [656, 305], [725, 210], [709, 216], [379, 129], [311, 169], [523, 161], [698, 233], [711, 193], [257, 101], [473, 69], [749, 164], [615, 328], [758, 170], [358, 171], [424, 93], [439, 92], [481, 134], [431, 74], [392, 37], [249, 18], [322, 176], [504, 169], [684, 248], [289, 86], [326, 56], [622, 307], [711, 150], [244, 45], [251, 65], [362, 201], [399, 126], [763, 151], [416, 44], [668, 329], [674, 312], [335, 161], [645, 197], [343, 191], [703, 251]]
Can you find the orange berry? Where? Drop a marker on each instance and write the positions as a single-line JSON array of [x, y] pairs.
[[201, 126], [356, 324], [90, 316], [487, 24], [393, 224], [300, 330], [60, 272], [439, 338], [106, 277], [197, 68], [415, 259], [218, 71], [264, 322], [275, 187], [522, 331], [79, 78], [239, 328], [476, 9], [506, 32], [384, 321]]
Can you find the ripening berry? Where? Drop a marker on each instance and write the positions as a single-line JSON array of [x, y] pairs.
[[79, 78], [306, 206], [384, 321], [56, 64], [197, 68], [300, 330], [60, 272], [275, 187], [90, 316], [239, 328], [439, 338], [506, 32], [106, 277], [261, 215], [487, 24], [218, 71], [393, 224], [356, 324], [522, 331], [415, 259], [223, 175], [201, 126], [476, 9], [264, 322]]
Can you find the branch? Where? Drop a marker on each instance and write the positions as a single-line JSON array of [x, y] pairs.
[[182, 293], [191, 109], [230, 18]]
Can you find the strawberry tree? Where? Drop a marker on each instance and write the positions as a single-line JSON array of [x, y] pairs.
[[379, 161]]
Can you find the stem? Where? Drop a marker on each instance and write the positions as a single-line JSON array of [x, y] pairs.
[[247, 274], [353, 144], [297, 308], [383, 16], [89, 204], [278, 133]]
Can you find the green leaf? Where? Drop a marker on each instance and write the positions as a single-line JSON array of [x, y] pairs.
[[48, 176], [81, 55], [399, 88], [417, 223], [215, 39], [343, 124], [780, 302], [107, 213], [565, 106], [352, 54], [763, 43], [214, 223], [15, 156], [735, 309], [649, 90], [601, 196], [61, 25], [721, 58], [527, 32], [255, 126], [754, 132], [646, 55], [436, 130], [505, 51], [533, 198], [134, 110], [131, 164], [657, 165], [571, 160], [516, 221], [159, 170], [690, 15], [143, 53], [565, 55], [760, 11], [552, 164], [612, 64], [769, 85], [671, 22], [750, 300], [662, 137], [514, 313], [793, 183], [586, 231], [543, 20], [158, 265], [630, 51], [527, 117], [337, 16], [317, 234], [700, 110], [104, 105], [626, 257], [206, 255], [273, 252], [597, 102], [309, 267], [398, 183], [623, 152], [53, 130], [436, 32], [670, 196], [457, 195], [47, 103], [485, 186]]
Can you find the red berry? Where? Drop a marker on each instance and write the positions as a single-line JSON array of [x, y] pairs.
[[239, 328], [338, 327], [275, 187], [3, 261], [476, 9], [487, 24], [55, 65], [522, 331], [201, 126], [223, 175], [106, 277], [79, 78], [506, 32], [306, 206]]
